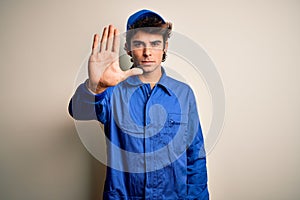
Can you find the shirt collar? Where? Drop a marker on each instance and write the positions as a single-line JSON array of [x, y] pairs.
[[163, 81]]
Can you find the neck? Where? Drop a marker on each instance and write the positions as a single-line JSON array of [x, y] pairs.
[[151, 77]]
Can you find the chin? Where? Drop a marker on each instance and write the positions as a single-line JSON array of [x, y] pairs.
[[148, 68]]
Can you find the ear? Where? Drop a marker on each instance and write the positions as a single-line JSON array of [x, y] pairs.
[[166, 46]]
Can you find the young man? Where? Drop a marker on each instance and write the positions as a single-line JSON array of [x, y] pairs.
[[155, 147]]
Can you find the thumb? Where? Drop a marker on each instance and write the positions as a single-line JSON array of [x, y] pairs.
[[133, 71]]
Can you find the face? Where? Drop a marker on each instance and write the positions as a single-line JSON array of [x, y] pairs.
[[147, 51]]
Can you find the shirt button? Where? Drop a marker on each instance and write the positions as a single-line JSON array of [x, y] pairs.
[[172, 121]]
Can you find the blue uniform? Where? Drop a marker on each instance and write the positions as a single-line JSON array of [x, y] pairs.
[[155, 147]]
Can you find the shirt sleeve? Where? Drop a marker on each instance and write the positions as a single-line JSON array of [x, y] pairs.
[[84, 105], [196, 157]]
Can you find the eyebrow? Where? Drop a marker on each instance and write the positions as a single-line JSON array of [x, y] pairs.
[[157, 41], [139, 41]]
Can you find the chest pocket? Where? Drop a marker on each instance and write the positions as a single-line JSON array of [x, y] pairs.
[[175, 128]]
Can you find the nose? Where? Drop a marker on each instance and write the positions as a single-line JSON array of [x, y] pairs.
[[147, 51]]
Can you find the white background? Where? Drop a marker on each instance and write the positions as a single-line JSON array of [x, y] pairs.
[[255, 46]]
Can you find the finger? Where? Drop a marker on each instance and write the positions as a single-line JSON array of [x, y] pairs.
[[95, 44], [132, 72], [116, 43], [103, 40], [110, 38]]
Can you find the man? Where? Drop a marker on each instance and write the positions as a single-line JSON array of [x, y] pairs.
[[155, 145]]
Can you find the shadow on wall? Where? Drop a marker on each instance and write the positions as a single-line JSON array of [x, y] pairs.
[[98, 172], [92, 172]]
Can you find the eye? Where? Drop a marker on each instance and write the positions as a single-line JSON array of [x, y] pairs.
[[137, 44], [155, 43]]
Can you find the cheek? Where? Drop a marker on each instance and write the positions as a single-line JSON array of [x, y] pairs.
[[137, 52], [158, 54]]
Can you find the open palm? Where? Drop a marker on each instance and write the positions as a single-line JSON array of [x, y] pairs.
[[103, 68]]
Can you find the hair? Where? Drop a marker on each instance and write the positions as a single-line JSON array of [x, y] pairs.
[[150, 24]]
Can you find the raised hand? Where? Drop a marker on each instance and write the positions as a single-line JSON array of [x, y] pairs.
[[103, 68]]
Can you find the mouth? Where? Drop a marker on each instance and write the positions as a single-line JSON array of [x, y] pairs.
[[147, 62]]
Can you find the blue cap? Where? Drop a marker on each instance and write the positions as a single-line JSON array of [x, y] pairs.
[[140, 15]]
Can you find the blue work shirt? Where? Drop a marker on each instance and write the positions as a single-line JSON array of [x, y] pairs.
[[155, 147]]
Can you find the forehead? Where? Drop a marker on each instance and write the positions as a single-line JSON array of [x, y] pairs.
[[147, 37]]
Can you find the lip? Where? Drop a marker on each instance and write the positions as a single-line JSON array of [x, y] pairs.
[[147, 62]]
